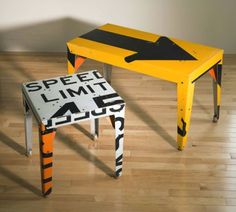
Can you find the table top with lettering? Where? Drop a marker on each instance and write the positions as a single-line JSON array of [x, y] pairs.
[[70, 94]]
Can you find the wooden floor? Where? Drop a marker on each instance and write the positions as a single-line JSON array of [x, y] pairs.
[[156, 176]]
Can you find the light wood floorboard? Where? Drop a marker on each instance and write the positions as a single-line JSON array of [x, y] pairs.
[[156, 176]]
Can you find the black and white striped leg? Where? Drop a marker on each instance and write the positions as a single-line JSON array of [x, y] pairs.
[[28, 128], [94, 128], [119, 118], [107, 70]]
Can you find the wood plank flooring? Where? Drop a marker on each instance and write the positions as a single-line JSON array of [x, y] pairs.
[[156, 176]]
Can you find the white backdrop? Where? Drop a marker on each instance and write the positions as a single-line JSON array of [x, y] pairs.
[[45, 25]]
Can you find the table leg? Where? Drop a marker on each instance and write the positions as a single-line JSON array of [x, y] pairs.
[[185, 91], [216, 73], [107, 70], [94, 128], [73, 62], [46, 154], [119, 118], [28, 128]]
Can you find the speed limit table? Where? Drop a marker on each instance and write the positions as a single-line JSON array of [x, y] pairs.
[[170, 59]]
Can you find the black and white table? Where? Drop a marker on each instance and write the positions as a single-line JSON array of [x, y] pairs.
[[67, 100]]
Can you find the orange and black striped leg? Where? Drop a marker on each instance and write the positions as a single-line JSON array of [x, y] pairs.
[[216, 74], [46, 153], [73, 61]]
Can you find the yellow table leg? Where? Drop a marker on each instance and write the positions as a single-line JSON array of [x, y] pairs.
[[185, 91]]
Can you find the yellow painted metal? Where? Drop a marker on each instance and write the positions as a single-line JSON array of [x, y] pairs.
[[171, 70], [218, 94], [219, 88], [185, 91], [182, 72], [71, 69]]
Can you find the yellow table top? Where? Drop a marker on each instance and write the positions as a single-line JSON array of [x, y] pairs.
[[158, 56]]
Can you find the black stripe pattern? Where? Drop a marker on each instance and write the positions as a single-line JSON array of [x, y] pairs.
[[119, 127], [70, 57], [182, 131], [45, 156]]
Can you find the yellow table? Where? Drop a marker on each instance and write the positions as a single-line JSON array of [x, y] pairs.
[[169, 59]]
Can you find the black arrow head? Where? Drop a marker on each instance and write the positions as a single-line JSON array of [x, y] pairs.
[[69, 106], [162, 49]]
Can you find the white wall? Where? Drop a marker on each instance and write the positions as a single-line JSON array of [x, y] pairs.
[[45, 25]]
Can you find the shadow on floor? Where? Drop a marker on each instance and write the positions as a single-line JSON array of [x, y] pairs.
[[11, 143], [146, 118], [155, 126], [83, 130], [204, 108], [72, 144], [22, 182], [75, 146]]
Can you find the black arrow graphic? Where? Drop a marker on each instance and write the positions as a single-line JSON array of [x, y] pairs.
[[162, 49], [182, 131], [69, 106]]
